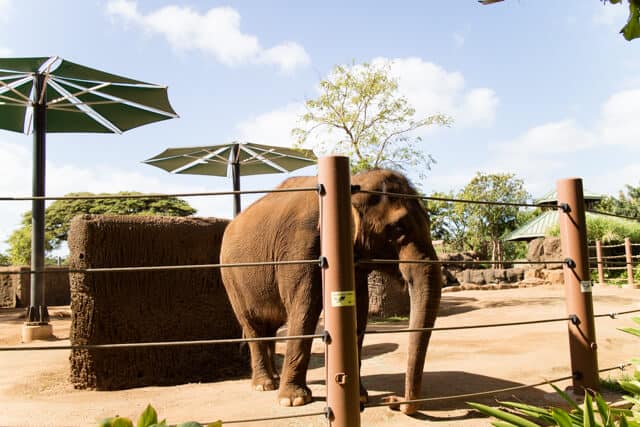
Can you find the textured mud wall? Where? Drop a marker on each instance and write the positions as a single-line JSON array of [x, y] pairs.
[[388, 295], [125, 307], [15, 289]]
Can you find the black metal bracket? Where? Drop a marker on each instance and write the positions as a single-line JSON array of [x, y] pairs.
[[575, 320], [321, 190], [323, 262], [569, 262], [565, 207], [326, 338], [328, 413]]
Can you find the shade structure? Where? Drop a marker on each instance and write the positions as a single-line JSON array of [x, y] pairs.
[[50, 94], [235, 159]]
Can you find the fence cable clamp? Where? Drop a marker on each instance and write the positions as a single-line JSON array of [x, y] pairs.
[[328, 413], [574, 319], [569, 263], [321, 190], [322, 261], [355, 189], [326, 338], [564, 207], [613, 315]]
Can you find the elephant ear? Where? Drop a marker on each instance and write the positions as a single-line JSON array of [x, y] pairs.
[[355, 223]]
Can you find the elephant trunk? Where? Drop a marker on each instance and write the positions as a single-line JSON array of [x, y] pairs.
[[425, 287]]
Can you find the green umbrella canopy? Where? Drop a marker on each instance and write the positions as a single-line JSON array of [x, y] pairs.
[[252, 159], [235, 159], [49, 94], [77, 98]]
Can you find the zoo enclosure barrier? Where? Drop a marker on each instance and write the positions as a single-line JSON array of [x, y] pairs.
[[625, 261], [343, 406]]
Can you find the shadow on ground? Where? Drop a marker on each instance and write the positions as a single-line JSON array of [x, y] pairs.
[[449, 390]]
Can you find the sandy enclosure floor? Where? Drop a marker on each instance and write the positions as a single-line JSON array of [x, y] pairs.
[[35, 390]]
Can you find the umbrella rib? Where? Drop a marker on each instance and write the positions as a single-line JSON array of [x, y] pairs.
[[77, 94], [88, 110], [119, 100], [11, 87], [45, 69], [199, 160], [264, 159], [70, 107]]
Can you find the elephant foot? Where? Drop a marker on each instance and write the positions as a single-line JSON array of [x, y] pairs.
[[264, 384], [294, 395]]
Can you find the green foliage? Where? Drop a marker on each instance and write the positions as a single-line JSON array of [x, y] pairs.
[[470, 226], [149, 418], [518, 414], [606, 229], [4, 259], [627, 203], [522, 415], [375, 124], [20, 243], [631, 30], [59, 214]]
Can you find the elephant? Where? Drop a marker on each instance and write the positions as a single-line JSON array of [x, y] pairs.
[[284, 226]]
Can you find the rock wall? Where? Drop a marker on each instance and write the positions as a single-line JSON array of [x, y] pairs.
[[15, 289], [545, 249], [149, 306], [388, 295]]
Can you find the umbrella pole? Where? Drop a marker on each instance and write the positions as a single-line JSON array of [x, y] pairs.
[[235, 176], [37, 325]]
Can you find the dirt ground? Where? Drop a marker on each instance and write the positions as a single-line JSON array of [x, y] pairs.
[[35, 390]]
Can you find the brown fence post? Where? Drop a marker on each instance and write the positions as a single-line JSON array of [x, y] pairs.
[[629, 256], [600, 262], [343, 382], [577, 284]]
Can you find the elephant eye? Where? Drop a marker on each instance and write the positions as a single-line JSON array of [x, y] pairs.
[[396, 230]]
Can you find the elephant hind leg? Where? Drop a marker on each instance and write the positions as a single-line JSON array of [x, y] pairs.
[[264, 374], [293, 389]]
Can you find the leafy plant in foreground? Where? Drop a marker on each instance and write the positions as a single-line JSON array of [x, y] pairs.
[[149, 418], [522, 415]]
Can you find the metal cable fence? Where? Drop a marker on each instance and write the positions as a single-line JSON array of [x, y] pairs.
[[322, 264]]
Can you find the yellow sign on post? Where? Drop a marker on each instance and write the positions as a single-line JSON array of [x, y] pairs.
[[343, 299]]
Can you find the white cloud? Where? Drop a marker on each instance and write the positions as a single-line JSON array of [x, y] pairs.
[[543, 154], [273, 127], [549, 139], [431, 89], [605, 154], [215, 32], [618, 122]]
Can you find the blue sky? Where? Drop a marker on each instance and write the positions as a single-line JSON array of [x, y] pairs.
[[539, 88]]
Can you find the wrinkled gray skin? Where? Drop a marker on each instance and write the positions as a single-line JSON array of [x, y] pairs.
[[284, 226]]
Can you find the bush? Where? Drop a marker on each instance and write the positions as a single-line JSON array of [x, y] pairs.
[[149, 418], [607, 230]]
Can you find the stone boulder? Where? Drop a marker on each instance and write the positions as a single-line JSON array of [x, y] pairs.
[[545, 249]]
